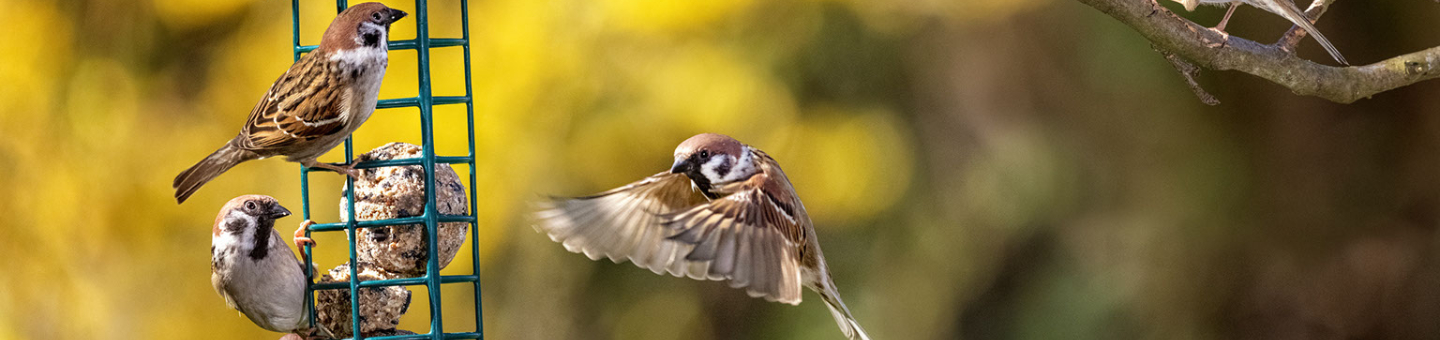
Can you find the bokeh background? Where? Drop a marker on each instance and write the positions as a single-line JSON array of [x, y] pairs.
[[979, 169]]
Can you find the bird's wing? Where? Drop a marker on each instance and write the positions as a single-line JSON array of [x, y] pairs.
[[753, 238], [306, 103], [624, 224], [218, 282]]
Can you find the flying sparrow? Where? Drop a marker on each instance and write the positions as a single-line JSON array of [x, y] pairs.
[[1283, 8], [253, 269], [724, 211], [319, 101]]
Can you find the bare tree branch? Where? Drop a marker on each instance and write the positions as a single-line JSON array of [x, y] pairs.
[[1182, 37]]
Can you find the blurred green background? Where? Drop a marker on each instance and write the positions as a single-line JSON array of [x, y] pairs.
[[980, 169]]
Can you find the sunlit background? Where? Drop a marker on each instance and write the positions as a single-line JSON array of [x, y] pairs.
[[981, 169]]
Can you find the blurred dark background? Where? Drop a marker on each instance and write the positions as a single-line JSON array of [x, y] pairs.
[[982, 169]]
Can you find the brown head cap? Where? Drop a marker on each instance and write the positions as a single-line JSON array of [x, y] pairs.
[[254, 205], [345, 31], [712, 143]]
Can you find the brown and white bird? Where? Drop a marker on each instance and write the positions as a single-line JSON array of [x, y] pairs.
[[724, 211], [319, 101], [253, 269], [1284, 8]]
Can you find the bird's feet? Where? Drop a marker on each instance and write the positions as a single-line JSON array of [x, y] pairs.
[[347, 169], [1220, 28], [1224, 38], [300, 240]]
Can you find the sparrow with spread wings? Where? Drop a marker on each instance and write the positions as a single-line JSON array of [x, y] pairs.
[[319, 101], [724, 211]]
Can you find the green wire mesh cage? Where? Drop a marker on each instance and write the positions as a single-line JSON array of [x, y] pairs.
[[431, 218]]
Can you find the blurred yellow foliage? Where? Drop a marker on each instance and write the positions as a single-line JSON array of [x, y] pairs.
[[669, 17], [185, 14]]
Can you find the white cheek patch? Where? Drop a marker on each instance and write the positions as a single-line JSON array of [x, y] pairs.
[[708, 169], [743, 168], [235, 239], [739, 169]]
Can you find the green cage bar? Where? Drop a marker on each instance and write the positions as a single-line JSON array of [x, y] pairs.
[[432, 280]]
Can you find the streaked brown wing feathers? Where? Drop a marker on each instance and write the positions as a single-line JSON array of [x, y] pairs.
[[306, 103], [623, 224], [747, 239]]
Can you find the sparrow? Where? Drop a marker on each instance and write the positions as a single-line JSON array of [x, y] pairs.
[[1283, 8], [319, 101], [724, 211], [253, 269]]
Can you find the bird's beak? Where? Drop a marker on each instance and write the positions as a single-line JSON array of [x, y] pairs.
[[396, 14], [681, 166], [279, 212]]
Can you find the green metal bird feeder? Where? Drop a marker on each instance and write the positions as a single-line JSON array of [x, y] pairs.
[[431, 218]]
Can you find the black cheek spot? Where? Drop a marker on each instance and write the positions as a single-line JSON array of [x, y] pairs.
[[372, 39]]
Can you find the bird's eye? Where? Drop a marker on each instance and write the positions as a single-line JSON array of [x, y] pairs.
[[375, 16], [704, 154], [250, 205]]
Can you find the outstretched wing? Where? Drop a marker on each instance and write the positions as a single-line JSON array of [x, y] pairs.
[[307, 102], [754, 238], [624, 224]]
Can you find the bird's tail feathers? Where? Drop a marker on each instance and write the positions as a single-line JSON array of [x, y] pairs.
[[1297, 16], [218, 162], [847, 322]]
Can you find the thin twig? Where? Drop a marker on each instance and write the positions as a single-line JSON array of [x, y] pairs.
[[1189, 71]]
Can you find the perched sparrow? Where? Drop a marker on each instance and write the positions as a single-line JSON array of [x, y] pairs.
[[1283, 8], [254, 271], [745, 225], [318, 102]]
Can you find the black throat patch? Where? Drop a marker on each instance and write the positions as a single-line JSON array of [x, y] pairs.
[[692, 170], [262, 238], [372, 39]]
